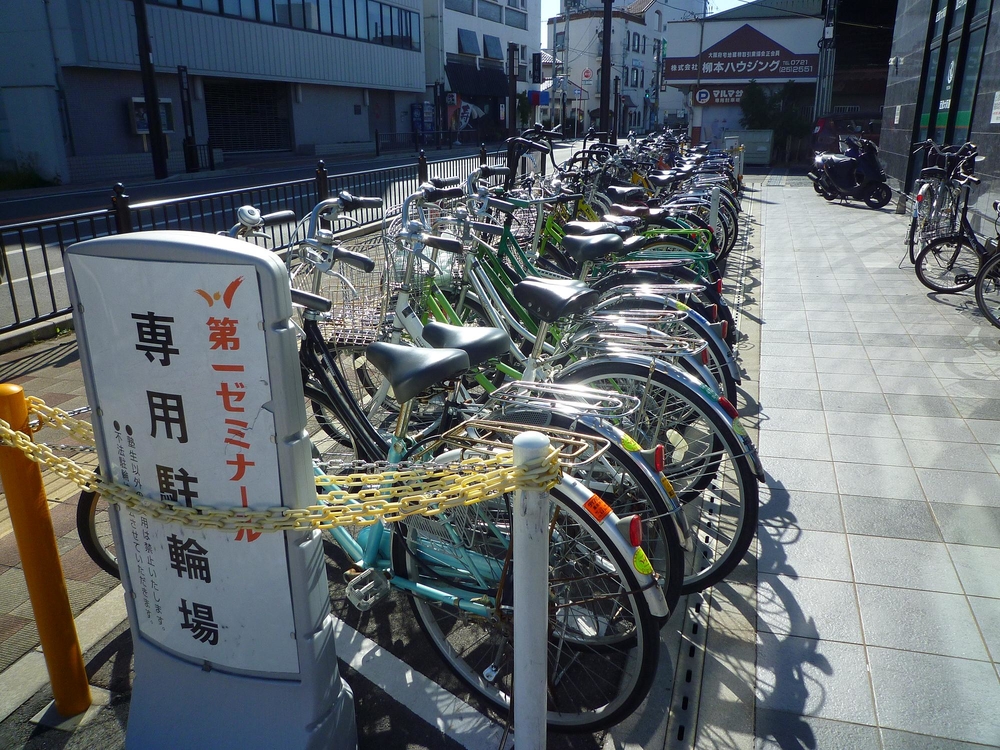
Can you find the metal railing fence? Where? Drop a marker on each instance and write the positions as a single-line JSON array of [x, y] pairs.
[[33, 288]]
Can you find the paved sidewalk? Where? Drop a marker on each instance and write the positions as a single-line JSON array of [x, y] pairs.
[[871, 616], [878, 585]]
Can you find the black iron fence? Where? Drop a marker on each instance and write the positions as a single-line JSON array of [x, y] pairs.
[[33, 288]]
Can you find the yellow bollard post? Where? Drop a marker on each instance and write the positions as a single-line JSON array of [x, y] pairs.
[[36, 543]]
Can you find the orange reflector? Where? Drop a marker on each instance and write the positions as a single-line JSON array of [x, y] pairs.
[[597, 508], [713, 313], [728, 407], [704, 356], [725, 329], [659, 458], [635, 531], [718, 286]]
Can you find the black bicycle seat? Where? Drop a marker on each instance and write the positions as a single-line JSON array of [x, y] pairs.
[[630, 222], [587, 228], [583, 249], [481, 344], [410, 371], [551, 299], [932, 173], [617, 209], [626, 194]]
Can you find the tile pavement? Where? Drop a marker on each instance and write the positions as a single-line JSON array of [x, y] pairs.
[[878, 621]]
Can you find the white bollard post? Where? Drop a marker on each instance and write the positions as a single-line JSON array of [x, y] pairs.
[[531, 595], [713, 211]]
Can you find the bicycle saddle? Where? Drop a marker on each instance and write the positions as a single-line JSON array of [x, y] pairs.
[[411, 371], [591, 228], [617, 209], [663, 180], [932, 173], [583, 249], [626, 194], [481, 344], [618, 222], [551, 299]]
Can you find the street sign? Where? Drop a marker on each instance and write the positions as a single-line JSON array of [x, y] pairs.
[[190, 366], [702, 96], [588, 75]]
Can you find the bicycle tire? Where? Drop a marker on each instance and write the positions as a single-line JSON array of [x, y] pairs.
[[602, 666], [707, 464], [93, 524], [332, 441], [988, 290], [948, 264]]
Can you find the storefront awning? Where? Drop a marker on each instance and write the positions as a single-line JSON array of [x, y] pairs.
[[468, 80], [627, 102]]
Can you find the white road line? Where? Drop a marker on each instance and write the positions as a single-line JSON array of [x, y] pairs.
[[424, 697], [53, 272]]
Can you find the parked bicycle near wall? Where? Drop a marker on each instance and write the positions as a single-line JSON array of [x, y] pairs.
[[937, 202]]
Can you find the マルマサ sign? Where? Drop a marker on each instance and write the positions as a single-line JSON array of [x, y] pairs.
[[739, 57]]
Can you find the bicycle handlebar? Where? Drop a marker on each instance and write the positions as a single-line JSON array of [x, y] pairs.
[[311, 301], [434, 194], [277, 217], [445, 182]]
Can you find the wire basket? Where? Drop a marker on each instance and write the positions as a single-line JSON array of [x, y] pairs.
[[358, 314]]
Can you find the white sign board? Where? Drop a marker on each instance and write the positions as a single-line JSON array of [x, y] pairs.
[[180, 373], [995, 114], [895, 119]]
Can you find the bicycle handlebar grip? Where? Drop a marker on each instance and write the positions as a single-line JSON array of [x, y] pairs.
[[488, 171], [482, 226], [531, 145], [278, 217], [570, 197], [354, 259], [445, 182], [432, 193], [312, 301], [352, 202], [442, 243], [507, 208]]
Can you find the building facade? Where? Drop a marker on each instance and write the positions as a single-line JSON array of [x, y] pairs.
[[711, 61], [466, 58], [303, 76], [637, 35], [944, 84]]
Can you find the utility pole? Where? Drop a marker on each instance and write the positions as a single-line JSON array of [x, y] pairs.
[[827, 52], [512, 51], [694, 129], [606, 71], [157, 147]]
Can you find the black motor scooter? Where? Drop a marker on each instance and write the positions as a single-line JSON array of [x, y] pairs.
[[856, 174]]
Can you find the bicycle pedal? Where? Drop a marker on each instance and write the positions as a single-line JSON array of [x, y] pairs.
[[369, 587]]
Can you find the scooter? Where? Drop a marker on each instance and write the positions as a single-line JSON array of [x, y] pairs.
[[856, 174]]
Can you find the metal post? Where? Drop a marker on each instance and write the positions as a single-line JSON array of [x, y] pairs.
[[157, 146], [606, 71], [421, 168], [531, 591], [482, 154], [512, 55], [322, 181], [119, 201], [614, 130], [36, 543]]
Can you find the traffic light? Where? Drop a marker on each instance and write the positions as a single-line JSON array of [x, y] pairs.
[[536, 67]]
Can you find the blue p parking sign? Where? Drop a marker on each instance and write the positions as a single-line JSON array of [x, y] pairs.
[[702, 96]]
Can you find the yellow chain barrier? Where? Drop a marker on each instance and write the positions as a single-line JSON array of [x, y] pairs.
[[386, 494]]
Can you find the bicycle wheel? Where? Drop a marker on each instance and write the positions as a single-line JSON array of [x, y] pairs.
[[93, 524], [948, 264], [332, 441], [603, 642], [988, 290], [707, 464]]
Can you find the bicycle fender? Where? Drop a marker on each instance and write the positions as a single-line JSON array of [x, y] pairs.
[[606, 518]]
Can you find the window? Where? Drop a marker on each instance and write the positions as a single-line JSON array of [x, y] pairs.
[[559, 40], [642, 78], [492, 47], [462, 6], [635, 77], [967, 92], [644, 44], [625, 78], [490, 11], [635, 41], [659, 20], [524, 52], [516, 19], [468, 42]]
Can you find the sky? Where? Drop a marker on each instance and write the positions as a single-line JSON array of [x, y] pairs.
[[551, 8]]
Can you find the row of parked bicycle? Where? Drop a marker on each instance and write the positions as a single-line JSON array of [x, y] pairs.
[[948, 255], [586, 303]]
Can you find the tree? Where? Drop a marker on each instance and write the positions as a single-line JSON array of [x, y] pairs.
[[523, 109], [756, 107]]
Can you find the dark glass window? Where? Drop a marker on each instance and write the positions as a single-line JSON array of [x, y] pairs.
[[494, 50], [940, 12], [325, 19], [374, 21], [927, 103], [266, 8], [282, 13], [351, 20], [414, 31], [468, 42], [966, 102]]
